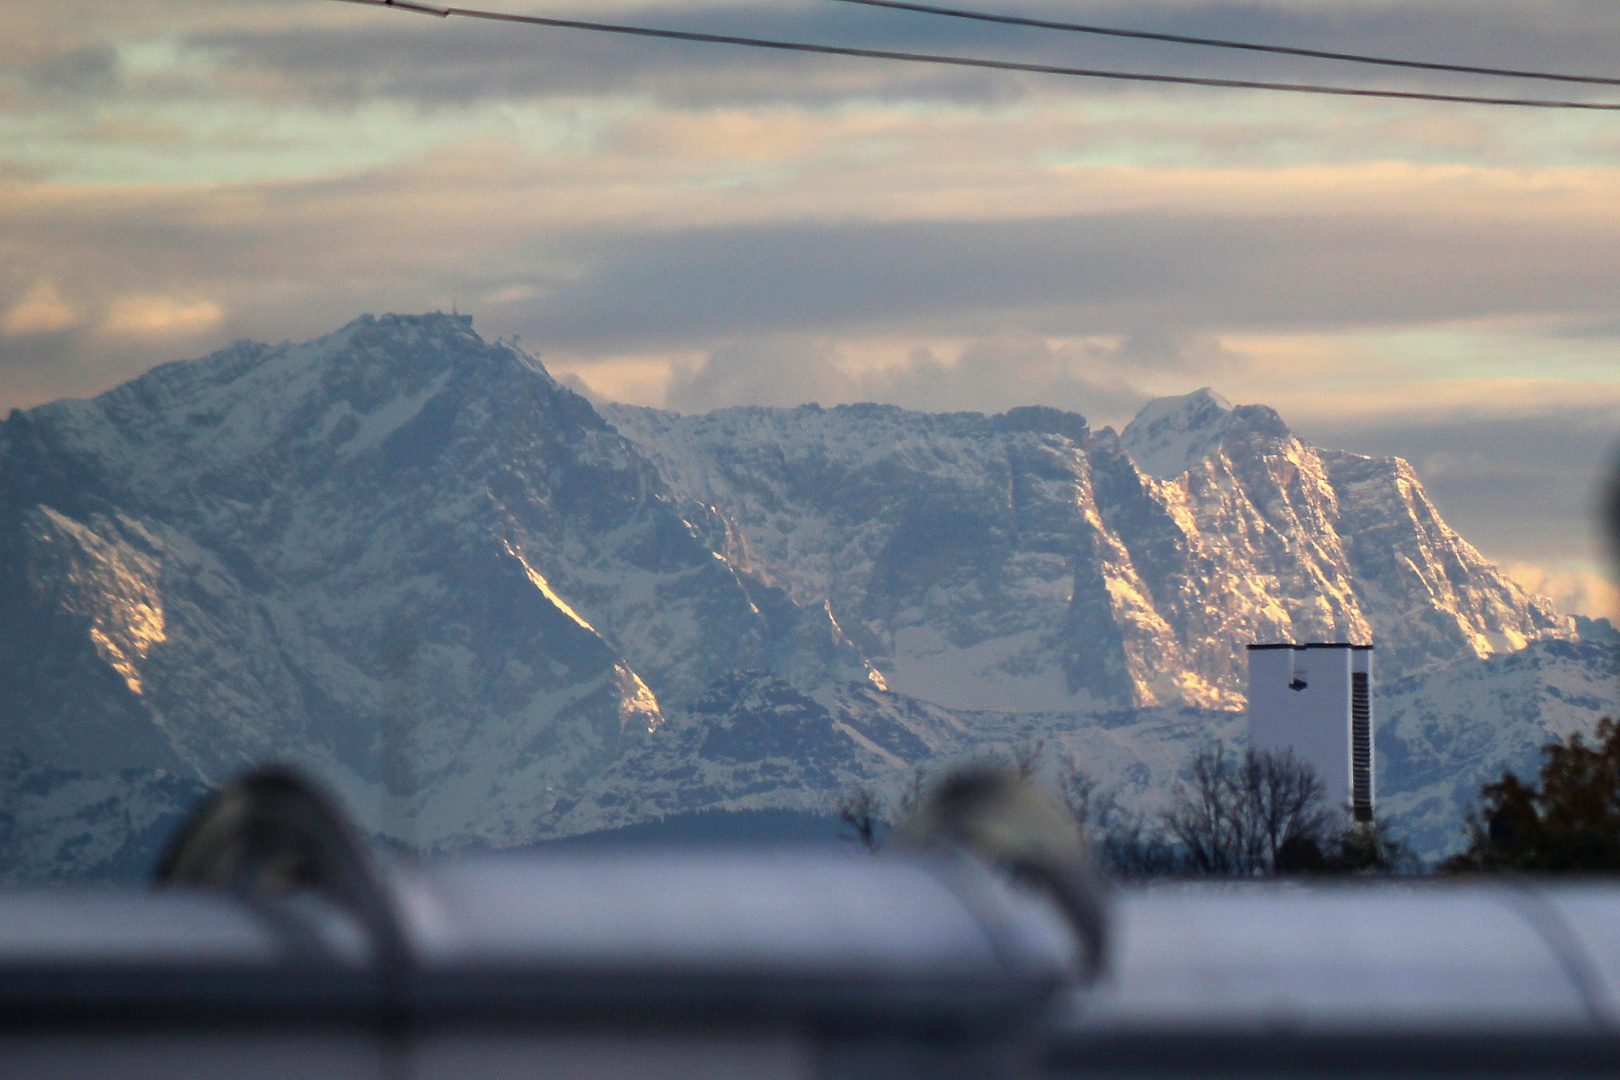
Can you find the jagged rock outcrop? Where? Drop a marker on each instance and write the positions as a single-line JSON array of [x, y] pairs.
[[1327, 545], [400, 555], [1026, 562]]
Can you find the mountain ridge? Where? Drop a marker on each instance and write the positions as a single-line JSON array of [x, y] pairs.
[[1258, 537], [487, 612]]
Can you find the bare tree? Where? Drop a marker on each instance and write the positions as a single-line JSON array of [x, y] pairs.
[[1234, 815], [1119, 836], [865, 813], [911, 796], [1208, 815], [1083, 794], [1027, 755], [1285, 799]]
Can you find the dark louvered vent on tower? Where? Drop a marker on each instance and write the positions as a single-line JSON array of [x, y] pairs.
[[1360, 747]]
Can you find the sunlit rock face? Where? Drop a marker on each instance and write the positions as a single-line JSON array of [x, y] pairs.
[[1025, 562], [1346, 547], [486, 611], [966, 555]]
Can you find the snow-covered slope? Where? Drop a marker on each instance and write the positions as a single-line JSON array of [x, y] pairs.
[[400, 555], [486, 611], [1444, 733], [73, 824], [757, 743], [1023, 561], [1172, 434], [949, 547]]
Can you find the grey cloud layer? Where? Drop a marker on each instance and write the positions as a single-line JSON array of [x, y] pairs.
[[397, 55], [83, 71], [1119, 273], [992, 374], [1103, 273]]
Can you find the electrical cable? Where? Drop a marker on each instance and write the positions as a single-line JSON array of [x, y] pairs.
[[975, 62], [1223, 43]]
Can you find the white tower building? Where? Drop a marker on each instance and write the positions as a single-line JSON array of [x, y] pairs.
[[1316, 699]]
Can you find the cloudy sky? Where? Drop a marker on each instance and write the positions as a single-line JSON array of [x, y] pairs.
[[693, 226]]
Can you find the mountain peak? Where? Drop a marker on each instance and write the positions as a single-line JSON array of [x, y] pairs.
[[407, 558], [1170, 434]]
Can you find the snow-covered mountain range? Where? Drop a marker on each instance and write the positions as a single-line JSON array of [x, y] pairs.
[[486, 611], [1023, 561]]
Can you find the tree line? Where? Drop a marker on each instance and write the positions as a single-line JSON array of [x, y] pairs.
[[1262, 813]]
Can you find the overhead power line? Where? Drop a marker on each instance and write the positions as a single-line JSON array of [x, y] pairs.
[[976, 62], [1222, 43]]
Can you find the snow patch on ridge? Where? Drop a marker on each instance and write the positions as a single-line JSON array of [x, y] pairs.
[[1017, 673], [1172, 434]]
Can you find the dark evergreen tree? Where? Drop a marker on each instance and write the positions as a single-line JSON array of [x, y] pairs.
[[1568, 822]]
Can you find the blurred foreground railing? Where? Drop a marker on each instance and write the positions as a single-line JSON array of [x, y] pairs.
[[279, 948]]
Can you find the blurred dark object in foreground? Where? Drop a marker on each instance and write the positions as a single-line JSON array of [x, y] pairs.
[[279, 948]]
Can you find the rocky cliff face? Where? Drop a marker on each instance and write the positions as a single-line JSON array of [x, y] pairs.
[[485, 611], [400, 555], [1026, 562]]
